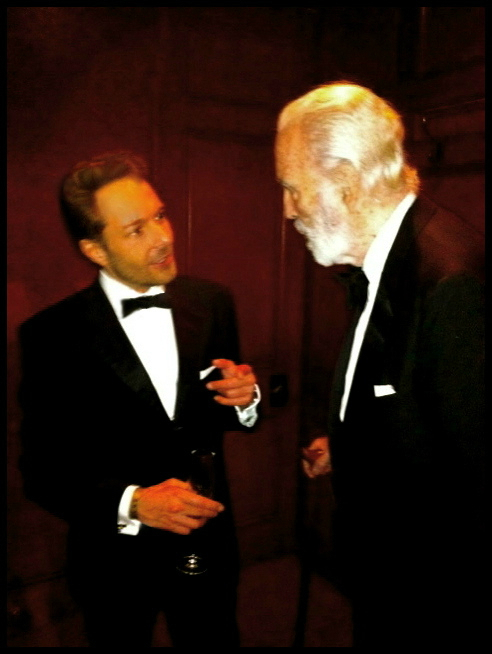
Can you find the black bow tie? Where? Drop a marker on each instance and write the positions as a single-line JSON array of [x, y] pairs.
[[145, 302], [356, 282]]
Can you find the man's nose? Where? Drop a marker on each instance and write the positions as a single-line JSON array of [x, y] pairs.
[[162, 232], [290, 212]]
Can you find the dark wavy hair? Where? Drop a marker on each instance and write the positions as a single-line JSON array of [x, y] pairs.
[[79, 186]]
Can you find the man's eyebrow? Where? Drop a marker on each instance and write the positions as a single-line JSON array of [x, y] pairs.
[[137, 221]]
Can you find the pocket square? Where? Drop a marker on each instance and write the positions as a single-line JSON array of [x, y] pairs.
[[384, 389], [206, 372]]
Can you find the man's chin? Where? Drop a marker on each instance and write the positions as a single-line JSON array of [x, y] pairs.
[[321, 256], [166, 275], [168, 278]]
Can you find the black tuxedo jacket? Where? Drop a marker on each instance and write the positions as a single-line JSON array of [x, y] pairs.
[[93, 423], [409, 464]]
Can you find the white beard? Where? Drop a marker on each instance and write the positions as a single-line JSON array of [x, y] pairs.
[[329, 243]]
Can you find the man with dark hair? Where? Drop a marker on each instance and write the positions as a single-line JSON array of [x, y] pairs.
[[404, 439], [121, 383]]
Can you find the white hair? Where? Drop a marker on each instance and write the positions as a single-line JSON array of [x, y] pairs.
[[344, 122]]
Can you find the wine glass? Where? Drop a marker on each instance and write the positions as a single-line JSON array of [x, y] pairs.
[[202, 479]]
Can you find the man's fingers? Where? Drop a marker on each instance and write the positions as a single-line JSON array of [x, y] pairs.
[[202, 506], [226, 366], [177, 483], [232, 383], [230, 369], [244, 369], [240, 400]]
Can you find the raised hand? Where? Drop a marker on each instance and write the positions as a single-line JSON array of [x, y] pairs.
[[236, 388]]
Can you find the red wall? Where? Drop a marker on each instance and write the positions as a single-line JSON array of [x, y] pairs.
[[197, 91]]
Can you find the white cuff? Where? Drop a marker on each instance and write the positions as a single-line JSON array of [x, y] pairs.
[[247, 416], [127, 525]]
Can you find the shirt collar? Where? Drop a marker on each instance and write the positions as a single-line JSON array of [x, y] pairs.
[[116, 291], [379, 249]]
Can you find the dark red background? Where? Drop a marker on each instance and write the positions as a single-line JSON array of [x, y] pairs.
[[196, 91]]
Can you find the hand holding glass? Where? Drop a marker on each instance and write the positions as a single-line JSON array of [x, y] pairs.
[[202, 479]]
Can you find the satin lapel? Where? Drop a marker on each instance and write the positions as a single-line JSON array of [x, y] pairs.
[[338, 383], [393, 299], [111, 345], [190, 324], [380, 322], [395, 279], [380, 355]]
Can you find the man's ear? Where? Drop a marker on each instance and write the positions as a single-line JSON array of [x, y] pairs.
[[94, 251], [349, 184]]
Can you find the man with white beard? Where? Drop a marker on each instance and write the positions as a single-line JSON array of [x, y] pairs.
[[404, 439]]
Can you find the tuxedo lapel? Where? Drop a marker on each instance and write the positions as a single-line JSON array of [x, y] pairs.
[[394, 279], [378, 357], [338, 383], [394, 303], [190, 322], [111, 345], [397, 284], [188, 325], [378, 336], [374, 358]]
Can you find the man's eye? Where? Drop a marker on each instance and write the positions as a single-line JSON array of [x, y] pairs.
[[161, 215], [137, 231]]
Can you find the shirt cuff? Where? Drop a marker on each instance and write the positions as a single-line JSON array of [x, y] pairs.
[[127, 525], [248, 415]]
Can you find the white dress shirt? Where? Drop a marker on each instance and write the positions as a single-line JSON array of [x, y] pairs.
[[151, 333], [373, 267]]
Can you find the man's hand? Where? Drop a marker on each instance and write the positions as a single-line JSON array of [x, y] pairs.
[[174, 506], [316, 458], [237, 386]]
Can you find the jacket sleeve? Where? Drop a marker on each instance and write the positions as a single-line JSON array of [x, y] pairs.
[[452, 381], [71, 459]]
